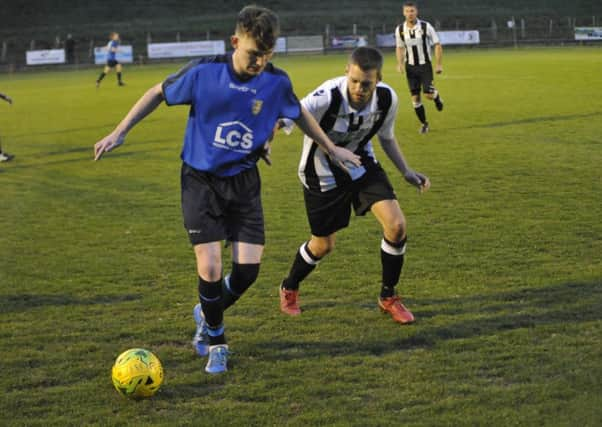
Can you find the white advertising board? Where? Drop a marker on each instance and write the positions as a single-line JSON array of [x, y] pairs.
[[186, 49], [49, 56]]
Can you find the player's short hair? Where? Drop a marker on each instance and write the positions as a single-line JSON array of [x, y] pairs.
[[410, 4], [367, 58], [261, 24]]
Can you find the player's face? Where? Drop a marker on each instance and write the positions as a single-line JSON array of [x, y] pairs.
[[360, 85], [248, 59], [410, 13]]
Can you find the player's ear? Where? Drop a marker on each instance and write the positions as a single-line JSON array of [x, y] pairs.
[[234, 41], [347, 69]]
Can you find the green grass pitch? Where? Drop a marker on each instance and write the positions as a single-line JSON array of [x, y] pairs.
[[503, 269]]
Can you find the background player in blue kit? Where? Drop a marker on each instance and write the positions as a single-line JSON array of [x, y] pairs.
[[112, 62], [235, 102]]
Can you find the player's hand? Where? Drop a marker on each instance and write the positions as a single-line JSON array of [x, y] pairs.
[[439, 69], [418, 180], [9, 100], [343, 157], [108, 143], [267, 152]]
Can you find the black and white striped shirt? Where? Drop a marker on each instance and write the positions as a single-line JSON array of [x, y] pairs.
[[346, 127], [417, 41]]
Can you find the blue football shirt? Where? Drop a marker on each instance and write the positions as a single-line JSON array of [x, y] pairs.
[[230, 120], [113, 44]]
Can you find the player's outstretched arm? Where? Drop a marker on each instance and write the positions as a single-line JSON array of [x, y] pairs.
[[142, 108], [393, 152], [311, 128]]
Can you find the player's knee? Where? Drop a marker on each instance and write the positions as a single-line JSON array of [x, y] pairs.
[[396, 230], [322, 246], [242, 277], [417, 104], [210, 271], [429, 95]]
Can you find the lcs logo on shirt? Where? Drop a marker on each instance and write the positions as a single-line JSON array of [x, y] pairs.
[[234, 136]]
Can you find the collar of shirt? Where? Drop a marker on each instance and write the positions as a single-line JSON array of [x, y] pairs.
[[416, 25]]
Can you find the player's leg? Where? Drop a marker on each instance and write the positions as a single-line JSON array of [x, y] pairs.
[[327, 213], [246, 258], [244, 221], [102, 75], [375, 193], [308, 256], [206, 230], [118, 69], [209, 268], [429, 88], [5, 157], [413, 77], [392, 252]]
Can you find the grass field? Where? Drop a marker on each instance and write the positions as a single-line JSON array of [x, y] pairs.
[[503, 269]]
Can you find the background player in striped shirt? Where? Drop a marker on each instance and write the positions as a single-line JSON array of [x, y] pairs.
[[414, 39], [112, 62], [351, 110], [235, 102]]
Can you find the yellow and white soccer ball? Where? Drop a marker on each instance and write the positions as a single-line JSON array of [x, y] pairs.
[[137, 373]]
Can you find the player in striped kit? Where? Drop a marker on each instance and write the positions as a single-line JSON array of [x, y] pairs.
[[352, 110], [414, 39]]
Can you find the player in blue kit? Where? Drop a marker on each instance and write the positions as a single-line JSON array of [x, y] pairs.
[[235, 103], [112, 48]]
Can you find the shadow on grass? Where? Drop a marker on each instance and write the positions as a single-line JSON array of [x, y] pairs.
[[478, 315], [100, 128], [541, 119], [24, 302], [89, 159]]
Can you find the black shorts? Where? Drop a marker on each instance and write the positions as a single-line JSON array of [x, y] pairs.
[[112, 63], [330, 211], [222, 208], [420, 76]]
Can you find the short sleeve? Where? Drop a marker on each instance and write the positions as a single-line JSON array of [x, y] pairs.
[[432, 34], [317, 102], [398, 41], [178, 88], [290, 108], [387, 130]]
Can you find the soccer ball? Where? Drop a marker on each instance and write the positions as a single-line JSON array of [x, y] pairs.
[[137, 373]]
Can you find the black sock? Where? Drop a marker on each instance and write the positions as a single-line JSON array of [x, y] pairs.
[[420, 113], [304, 263], [240, 279], [119, 77], [210, 295], [102, 76], [391, 255]]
